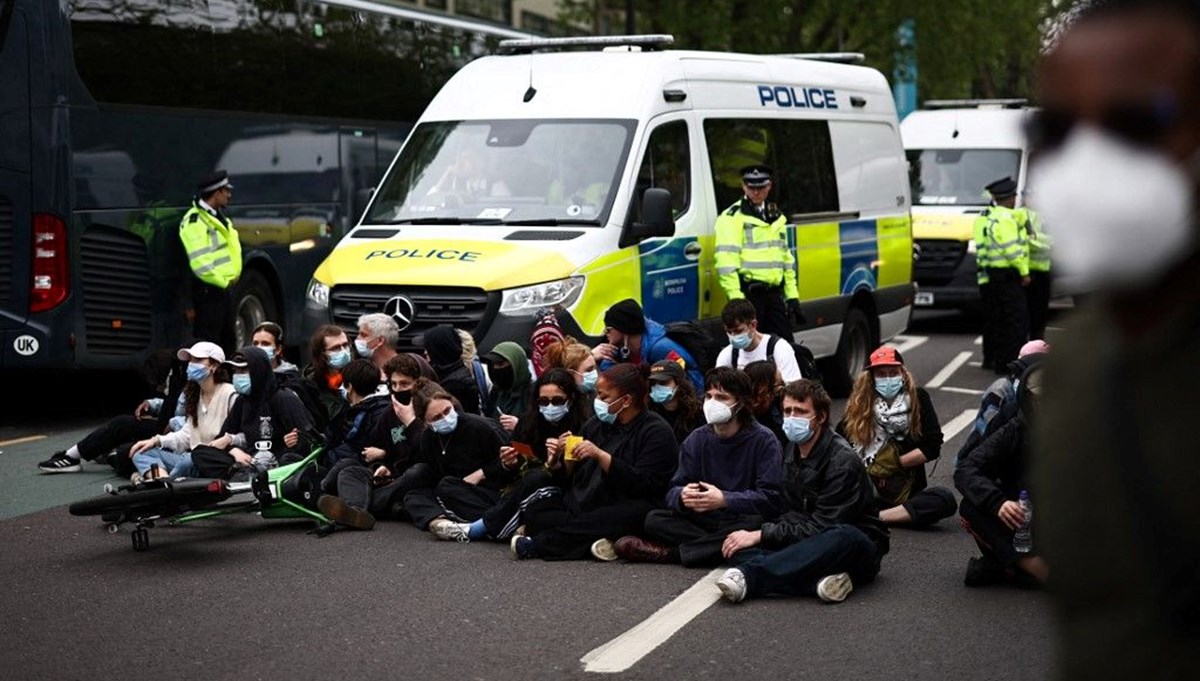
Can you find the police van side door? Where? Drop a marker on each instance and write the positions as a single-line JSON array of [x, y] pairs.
[[670, 267]]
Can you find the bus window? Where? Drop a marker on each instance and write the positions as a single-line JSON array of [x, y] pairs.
[[667, 164]]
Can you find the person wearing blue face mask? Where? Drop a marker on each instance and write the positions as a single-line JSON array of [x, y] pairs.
[[269, 337], [892, 425], [747, 344], [829, 538], [377, 337], [617, 467], [556, 409], [672, 397], [329, 351]]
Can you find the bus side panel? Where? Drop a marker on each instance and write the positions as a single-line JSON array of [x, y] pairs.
[[14, 189]]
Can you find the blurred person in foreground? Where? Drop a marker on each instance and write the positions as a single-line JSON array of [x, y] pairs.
[[1117, 514]]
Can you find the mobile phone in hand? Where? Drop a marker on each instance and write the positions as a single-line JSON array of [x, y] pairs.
[[523, 449]]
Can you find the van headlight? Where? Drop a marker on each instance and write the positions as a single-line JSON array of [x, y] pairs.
[[318, 294], [971, 246], [528, 299]]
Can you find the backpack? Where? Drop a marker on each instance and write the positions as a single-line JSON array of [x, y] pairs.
[[485, 397], [804, 358], [310, 397], [696, 341]]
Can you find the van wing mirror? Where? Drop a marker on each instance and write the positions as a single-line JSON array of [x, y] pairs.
[[361, 198], [657, 219]]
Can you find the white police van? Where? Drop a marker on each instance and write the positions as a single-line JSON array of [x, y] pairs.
[[574, 173]]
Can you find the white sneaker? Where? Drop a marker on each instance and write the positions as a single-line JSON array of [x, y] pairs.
[[732, 585], [603, 549], [835, 588], [448, 530]]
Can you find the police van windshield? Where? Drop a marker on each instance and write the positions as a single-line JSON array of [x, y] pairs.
[[545, 172], [943, 177]]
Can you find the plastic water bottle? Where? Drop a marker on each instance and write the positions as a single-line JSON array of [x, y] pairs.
[[1023, 537]]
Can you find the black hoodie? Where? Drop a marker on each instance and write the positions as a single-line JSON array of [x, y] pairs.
[[263, 417]]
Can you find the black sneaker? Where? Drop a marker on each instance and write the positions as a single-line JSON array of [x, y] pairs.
[[984, 572], [60, 463]]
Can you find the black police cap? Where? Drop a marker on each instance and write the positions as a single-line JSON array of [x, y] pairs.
[[756, 175], [1002, 188], [213, 182]]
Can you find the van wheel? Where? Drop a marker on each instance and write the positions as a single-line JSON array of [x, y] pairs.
[[854, 346], [253, 304]]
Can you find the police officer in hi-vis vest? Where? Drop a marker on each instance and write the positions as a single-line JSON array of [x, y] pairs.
[[215, 256], [752, 258], [1002, 259]]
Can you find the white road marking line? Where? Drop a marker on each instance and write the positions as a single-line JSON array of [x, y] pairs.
[[964, 391], [958, 424], [948, 370], [905, 343], [975, 364], [22, 440], [624, 651], [978, 340]]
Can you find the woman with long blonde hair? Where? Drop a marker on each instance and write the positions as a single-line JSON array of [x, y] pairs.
[[891, 423]]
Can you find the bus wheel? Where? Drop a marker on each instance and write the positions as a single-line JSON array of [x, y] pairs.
[[253, 304], [853, 348]]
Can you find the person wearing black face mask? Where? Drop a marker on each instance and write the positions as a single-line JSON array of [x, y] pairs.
[[508, 368]]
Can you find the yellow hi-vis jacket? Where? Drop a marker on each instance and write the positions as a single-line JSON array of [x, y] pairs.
[[1039, 240], [753, 249], [1000, 242], [213, 250]]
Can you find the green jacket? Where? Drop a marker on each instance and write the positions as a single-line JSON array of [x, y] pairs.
[[749, 247], [1039, 240], [1000, 242], [213, 250]]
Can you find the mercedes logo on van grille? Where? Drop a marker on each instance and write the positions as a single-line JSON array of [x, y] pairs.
[[401, 309]]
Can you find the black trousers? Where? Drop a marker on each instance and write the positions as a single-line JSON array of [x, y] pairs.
[[505, 516], [770, 308], [119, 433], [214, 319], [698, 535], [930, 505], [1007, 316], [993, 537], [559, 534], [387, 501], [1037, 298], [451, 497]]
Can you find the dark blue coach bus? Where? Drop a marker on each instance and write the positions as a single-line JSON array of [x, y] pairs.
[[110, 112]]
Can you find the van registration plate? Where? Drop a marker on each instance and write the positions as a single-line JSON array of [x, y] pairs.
[[923, 299]]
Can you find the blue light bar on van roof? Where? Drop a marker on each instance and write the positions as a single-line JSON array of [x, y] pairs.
[[648, 42]]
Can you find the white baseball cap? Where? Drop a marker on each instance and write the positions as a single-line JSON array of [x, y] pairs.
[[202, 350]]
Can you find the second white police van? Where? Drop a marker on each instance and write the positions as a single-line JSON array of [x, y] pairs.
[[571, 178]]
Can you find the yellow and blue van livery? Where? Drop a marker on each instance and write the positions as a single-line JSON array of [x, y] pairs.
[[575, 179]]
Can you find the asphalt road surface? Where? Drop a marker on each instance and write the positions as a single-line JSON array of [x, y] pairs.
[[248, 598]]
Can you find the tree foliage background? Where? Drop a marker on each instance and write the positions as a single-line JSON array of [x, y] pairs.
[[964, 48]]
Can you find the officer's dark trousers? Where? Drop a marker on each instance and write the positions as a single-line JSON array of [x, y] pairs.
[[120, 430], [698, 535], [994, 538], [795, 570], [213, 321], [559, 534], [1037, 297], [1008, 314], [989, 331], [770, 308], [451, 497]]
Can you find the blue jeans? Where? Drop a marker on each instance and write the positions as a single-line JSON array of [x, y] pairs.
[[163, 458], [795, 570]]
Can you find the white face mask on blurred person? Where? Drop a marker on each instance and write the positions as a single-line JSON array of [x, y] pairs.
[[1119, 214]]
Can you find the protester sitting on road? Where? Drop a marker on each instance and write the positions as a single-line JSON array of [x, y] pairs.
[[377, 337], [747, 344], [618, 469], [829, 538], [109, 443], [577, 358], [767, 384], [350, 443], [328, 354], [635, 338], [556, 411], [999, 402], [510, 373], [269, 337], [991, 478], [443, 347], [207, 400], [546, 332], [672, 397], [891, 423], [463, 452], [472, 361], [728, 479], [253, 435]]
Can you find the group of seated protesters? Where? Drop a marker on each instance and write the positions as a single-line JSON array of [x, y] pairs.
[[622, 451]]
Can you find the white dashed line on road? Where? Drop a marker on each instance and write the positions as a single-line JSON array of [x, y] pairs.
[[624, 651], [978, 340], [948, 370], [905, 343], [964, 391], [958, 424], [22, 440]]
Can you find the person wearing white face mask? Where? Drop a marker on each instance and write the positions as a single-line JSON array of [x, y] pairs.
[[1117, 178], [728, 479], [829, 538], [1002, 260], [891, 423]]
